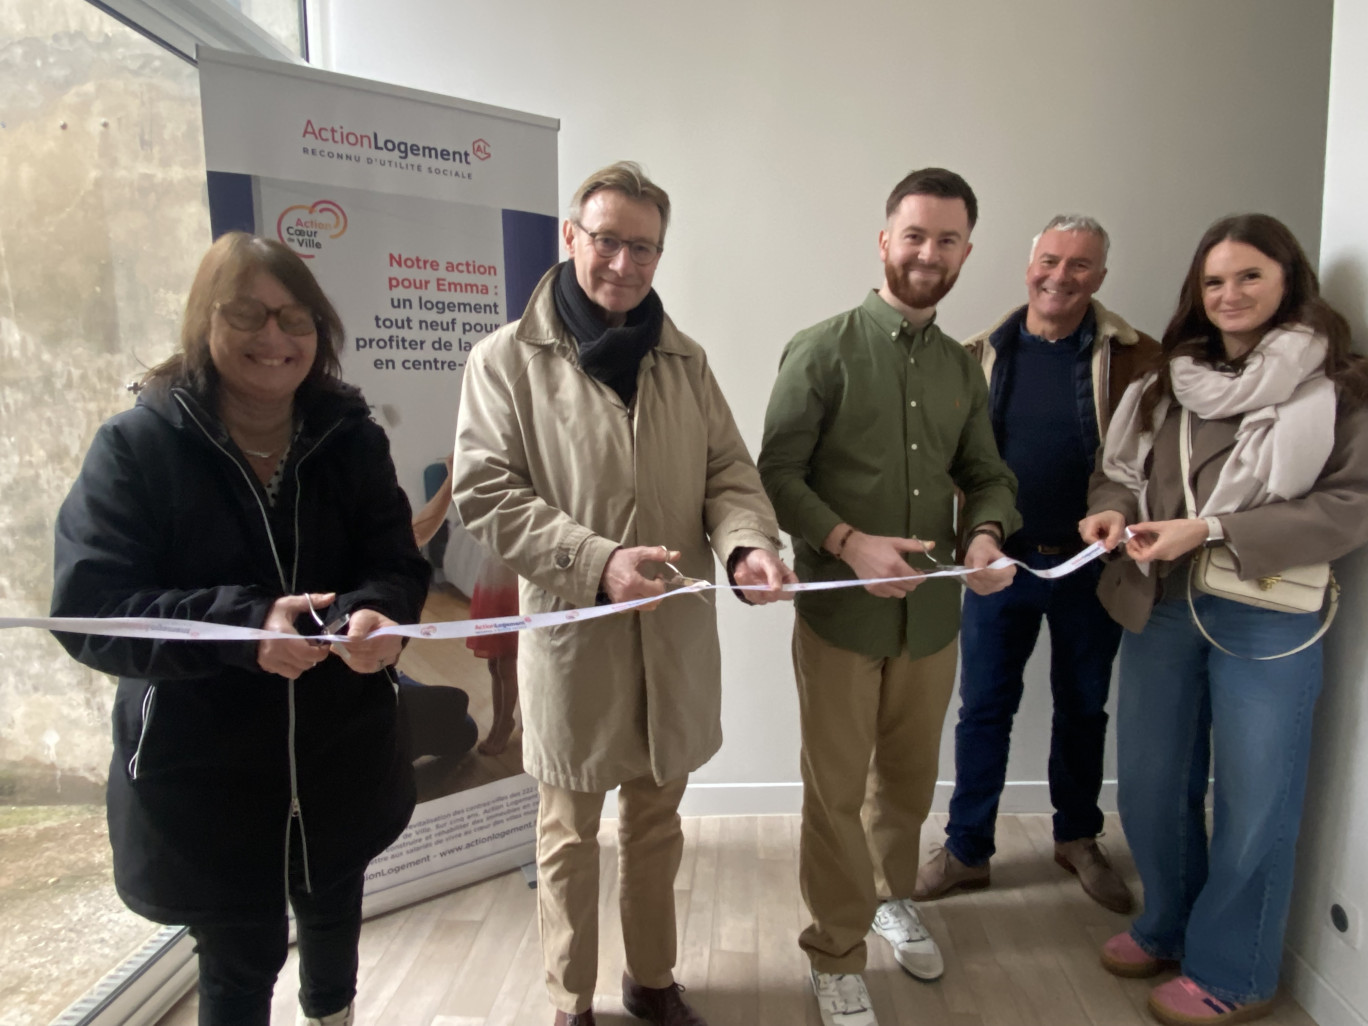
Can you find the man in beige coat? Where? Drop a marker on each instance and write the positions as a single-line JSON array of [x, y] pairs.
[[592, 446]]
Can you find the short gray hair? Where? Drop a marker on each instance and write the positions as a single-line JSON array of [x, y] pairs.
[[1076, 223]]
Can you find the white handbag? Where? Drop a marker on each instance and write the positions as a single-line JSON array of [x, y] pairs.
[[1298, 589]]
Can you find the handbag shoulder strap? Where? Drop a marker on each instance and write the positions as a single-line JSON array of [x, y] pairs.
[[1331, 609], [1185, 460], [1185, 464]]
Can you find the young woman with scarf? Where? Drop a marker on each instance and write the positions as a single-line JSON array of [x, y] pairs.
[[1258, 369]]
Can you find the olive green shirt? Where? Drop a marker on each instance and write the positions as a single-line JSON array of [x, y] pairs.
[[875, 424]]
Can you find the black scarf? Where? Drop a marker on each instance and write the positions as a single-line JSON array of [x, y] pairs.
[[610, 355]]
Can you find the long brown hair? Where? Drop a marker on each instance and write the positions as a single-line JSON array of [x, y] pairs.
[[227, 269], [1190, 332]]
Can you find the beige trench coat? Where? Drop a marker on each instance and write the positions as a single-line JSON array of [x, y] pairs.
[[553, 473]]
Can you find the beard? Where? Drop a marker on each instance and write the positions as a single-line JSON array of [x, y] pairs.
[[918, 297]]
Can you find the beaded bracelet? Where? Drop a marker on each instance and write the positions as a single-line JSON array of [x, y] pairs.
[[840, 545]]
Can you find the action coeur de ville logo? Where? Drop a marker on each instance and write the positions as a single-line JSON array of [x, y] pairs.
[[307, 228]]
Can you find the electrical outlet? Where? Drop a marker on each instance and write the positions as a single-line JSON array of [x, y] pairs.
[[1344, 920]]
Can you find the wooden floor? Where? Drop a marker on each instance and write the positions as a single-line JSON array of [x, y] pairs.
[[1021, 953]]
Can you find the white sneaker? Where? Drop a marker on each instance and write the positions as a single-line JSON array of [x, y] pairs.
[[843, 999], [898, 923], [342, 1018]]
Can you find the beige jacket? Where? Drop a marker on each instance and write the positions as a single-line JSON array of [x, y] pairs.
[[1328, 522], [553, 473]]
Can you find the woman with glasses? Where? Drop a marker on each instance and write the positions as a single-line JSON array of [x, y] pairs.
[[248, 486], [1251, 438]]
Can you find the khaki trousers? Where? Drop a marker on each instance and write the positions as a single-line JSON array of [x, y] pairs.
[[650, 845], [871, 749]]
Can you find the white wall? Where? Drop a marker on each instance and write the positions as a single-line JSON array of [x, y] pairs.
[[1329, 975], [780, 126]]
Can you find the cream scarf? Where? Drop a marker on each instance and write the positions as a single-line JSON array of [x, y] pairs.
[[1285, 435]]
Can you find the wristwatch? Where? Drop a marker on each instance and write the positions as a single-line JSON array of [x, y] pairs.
[[1215, 533]]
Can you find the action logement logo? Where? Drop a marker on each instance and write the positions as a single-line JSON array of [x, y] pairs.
[[400, 151]]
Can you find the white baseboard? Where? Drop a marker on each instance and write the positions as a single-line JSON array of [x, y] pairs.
[[742, 799], [1026, 796], [787, 797], [1318, 998]]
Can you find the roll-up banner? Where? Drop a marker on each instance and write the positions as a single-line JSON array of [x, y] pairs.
[[427, 220]]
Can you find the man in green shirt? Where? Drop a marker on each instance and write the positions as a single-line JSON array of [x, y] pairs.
[[878, 423]]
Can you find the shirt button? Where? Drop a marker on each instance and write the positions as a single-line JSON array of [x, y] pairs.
[[911, 360], [913, 403], [916, 491], [892, 334], [914, 445], [562, 561]]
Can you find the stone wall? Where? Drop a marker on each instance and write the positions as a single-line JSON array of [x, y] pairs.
[[103, 216]]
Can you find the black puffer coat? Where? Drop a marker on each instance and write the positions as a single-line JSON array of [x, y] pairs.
[[212, 756]]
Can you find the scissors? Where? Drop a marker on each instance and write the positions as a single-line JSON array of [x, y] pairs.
[[934, 561], [938, 565], [334, 627], [680, 581]]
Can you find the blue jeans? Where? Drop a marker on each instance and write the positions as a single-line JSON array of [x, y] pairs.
[[1219, 904], [997, 635]]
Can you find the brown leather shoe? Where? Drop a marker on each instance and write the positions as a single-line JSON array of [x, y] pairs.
[[585, 1018], [660, 1006], [942, 874], [1086, 860]]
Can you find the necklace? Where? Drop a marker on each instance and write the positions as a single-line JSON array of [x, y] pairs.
[[256, 424]]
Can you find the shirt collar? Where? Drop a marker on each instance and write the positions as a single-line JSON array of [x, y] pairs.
[[887, 319]]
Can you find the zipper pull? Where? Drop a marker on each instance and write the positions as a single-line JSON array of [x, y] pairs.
[[294, 808]]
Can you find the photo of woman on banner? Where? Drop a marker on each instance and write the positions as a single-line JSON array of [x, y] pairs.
[[1247, 447], [437, 712], [249, 486], [496, 594]]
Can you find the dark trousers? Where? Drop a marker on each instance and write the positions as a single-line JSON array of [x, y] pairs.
[[238, 965], [997, 635]]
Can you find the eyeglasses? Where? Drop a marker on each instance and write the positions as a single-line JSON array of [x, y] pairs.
[[608, 246], [248, 314]]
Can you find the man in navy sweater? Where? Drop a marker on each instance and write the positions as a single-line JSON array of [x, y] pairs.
[[1056, 369]]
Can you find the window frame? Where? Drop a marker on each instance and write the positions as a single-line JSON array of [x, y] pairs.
[[143, 987], [182, 25]]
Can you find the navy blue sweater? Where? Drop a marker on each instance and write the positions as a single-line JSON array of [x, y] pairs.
[[1045, 423]]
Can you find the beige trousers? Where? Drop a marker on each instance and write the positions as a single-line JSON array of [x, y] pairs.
[[650, 845], [871, 749]]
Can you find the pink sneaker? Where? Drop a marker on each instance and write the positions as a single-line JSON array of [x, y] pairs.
[[1181, 1002], [1121, 956]]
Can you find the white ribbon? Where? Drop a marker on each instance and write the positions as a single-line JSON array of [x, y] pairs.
[[196, 630]]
